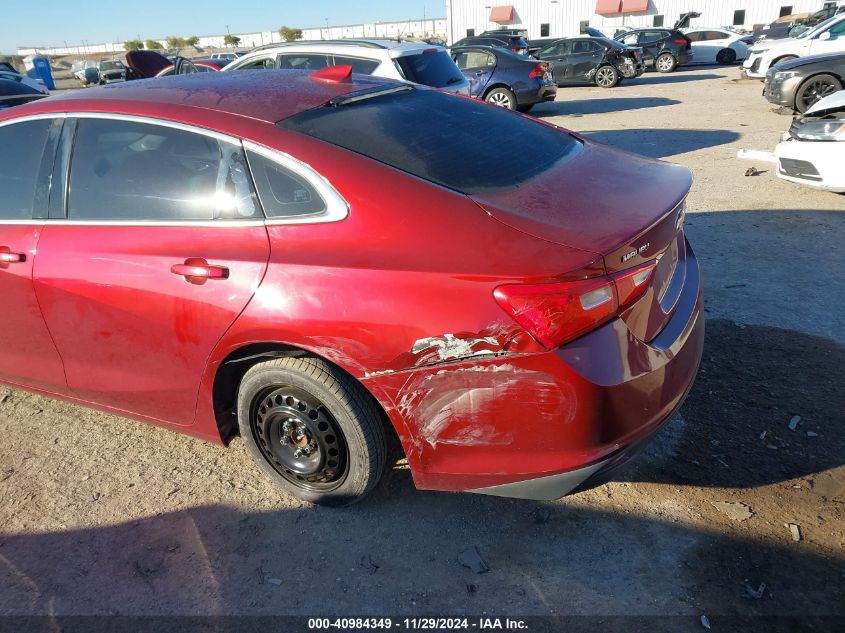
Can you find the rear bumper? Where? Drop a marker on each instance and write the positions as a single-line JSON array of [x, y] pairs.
[[539, 425], [545, 92]]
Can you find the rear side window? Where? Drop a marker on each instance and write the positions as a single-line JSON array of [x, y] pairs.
[[432, 69], [303, 61], [363, 66], [23, 147], [123, 170], [442, 138], [283, 193], [474, 59], [647, 37]]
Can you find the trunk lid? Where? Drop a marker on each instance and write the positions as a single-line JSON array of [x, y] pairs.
[[625, 207], [147, 63]]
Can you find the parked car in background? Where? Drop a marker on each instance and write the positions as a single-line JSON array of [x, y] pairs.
[[827, 37], [227, 57], [665, 49], [510, 32], [514, 43], [504, 78], [111, 71], [148, 64], [15, 93], [36, 84], [417, 62], [813, 153], [207, 64], [716, 46], [800, 83], [597, 60], [544, 42], [205, 272]]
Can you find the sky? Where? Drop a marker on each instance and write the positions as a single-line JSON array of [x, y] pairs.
[[54, 22]]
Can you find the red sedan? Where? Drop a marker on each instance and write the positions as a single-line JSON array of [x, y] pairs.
[[315, 262]]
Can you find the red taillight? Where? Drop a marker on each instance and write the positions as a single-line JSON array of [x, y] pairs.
[[557, 313], [539, 71], [680, 41]]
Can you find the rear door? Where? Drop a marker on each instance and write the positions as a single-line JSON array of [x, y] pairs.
[[27, 354], [162, 247], [477, 66], [586, 55], [652, 43]]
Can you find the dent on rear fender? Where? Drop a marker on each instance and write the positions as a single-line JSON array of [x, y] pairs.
[[472, 405]]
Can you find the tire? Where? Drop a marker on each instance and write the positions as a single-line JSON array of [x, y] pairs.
[[312, 429], [815, 88], [726, 56], [606, 76], [501, 97], [665, 63]]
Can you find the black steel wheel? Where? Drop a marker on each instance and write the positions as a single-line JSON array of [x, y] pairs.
[[299, 438], [312, 428], [815, 88]]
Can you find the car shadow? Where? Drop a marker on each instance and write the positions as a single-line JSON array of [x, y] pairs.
[[662, 142], [599, 106], [397, 555], [655, 78]]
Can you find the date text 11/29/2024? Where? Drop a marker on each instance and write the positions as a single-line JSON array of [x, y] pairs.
[[429, 624]]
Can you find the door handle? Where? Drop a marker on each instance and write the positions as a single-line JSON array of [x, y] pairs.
[[8, 257], [197, 270]]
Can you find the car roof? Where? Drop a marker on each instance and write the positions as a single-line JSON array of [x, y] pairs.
[[345, 44], [265, 95]]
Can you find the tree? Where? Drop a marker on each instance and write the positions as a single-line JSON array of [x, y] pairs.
[[290, 35], [231, 40], [133, 45], [153, 45], [192, 41], [176, 42]]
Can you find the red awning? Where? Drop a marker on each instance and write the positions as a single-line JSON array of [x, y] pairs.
[[502, 14], [634, 6], [609, 7]]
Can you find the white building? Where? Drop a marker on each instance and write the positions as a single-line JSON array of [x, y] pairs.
[[566, 18]]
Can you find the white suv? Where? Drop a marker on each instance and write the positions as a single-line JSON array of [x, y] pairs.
[[827, 37], [409, 61]]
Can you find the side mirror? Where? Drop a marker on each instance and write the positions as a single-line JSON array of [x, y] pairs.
[[824, 36]]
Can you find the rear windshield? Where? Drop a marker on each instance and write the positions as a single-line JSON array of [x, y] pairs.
[[431, 69], [459, 143]]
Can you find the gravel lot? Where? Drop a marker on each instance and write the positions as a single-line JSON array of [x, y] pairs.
[[101, 515]]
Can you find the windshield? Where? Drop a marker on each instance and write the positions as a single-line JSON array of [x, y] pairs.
[[432, 68], [111, 66], [465, 145], [822, 26]]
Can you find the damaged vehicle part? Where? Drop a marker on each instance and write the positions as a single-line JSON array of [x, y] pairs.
[[504, 78], [597, 60], [812, 152], [324, 264]]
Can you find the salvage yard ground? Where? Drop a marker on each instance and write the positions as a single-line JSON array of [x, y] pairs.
[[101, 515]]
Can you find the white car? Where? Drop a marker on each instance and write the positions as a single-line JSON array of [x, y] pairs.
[[716, 46], [827, 37], [813, 151], [38, 84], [416, 62]]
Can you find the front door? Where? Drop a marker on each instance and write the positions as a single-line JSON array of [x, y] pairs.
[[27, 354], [162, 248]]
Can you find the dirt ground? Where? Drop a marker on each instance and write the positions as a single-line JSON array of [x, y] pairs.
[[102, 515]]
